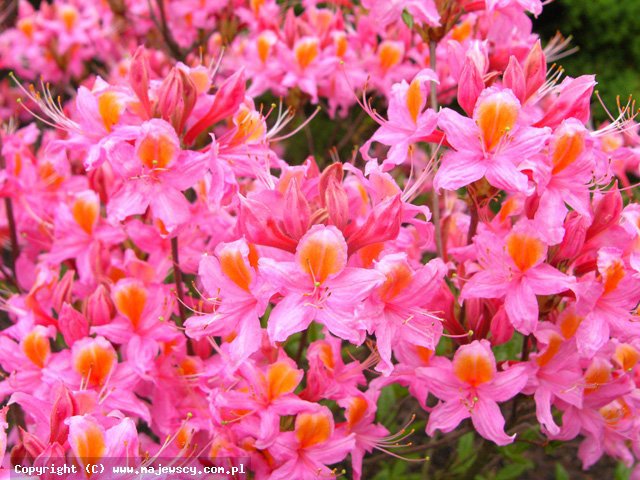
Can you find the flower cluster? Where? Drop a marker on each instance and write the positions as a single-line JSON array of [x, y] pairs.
[[174, 285]]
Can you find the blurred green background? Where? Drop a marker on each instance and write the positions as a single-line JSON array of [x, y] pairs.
[[608, 35]]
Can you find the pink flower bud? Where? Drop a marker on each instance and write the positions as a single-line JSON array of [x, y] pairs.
[[469, 86], [607, 211], [514, 79], [99, 309], [535, 69], [64, 406], [33, 445], [296, 214], [225, 103], [501, 328], [337, 204], [382, 224], [335, 171], [62, 290], [139, 78], [176, 98], [72, 324], [575, 227], [52, 454]]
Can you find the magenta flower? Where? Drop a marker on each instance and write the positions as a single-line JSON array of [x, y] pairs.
[[397, 311], [514, 268], [491, 145], [314, 443], [470, 387], [318, 286], [155, 171]]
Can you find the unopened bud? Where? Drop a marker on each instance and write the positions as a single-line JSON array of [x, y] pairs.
[[99, 309], [176, 98]]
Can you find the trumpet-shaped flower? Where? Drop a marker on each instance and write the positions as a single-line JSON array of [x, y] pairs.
[[470, 387], [318, 286], [492, 144]]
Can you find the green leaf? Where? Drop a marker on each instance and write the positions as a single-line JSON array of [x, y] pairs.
[[407, 18], [466, 454], [513, 471], [561, 472], [621, 472]]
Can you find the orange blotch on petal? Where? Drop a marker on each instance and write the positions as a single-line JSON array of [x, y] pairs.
[[322, 252], [496, 116], [398, 277], [156, 151], [473, 366], [306, 51], [109, 109], [281, 379], [626, 356], [85, 211], [130, 300], [613, 275], [390, 54], [356, 410], [567, 149], [94, 362], [312, 429], [415, 100], [233, 265], [88, 442], [569, 324], [36, 347], [555, 342], [525, 250], [598, 374]]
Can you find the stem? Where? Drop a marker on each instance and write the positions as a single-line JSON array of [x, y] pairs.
[[177, 276], [524, 356], [303, 343], [167, 36], [473, 225], [435, 201], [13, 232]]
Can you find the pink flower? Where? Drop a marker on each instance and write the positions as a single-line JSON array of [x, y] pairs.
[[388, 12], [318, 286], [305, 453], [155, 171], [398, 313], [491, 145], [232, 282], [515, 269], [408, 121], [470, 387]]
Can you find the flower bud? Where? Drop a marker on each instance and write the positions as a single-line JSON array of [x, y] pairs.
[[176, 98], [33, 445], [337, 203], [72, 324], [99, 309], [535, 69], [296, 215], [64, 406], [575, 227], [607, 211], [501, 328], [62, 290], [139, 78], [513, 78]]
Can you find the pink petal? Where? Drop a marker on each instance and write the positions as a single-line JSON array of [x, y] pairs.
[[521, 306], [446, 416], [489, 422]]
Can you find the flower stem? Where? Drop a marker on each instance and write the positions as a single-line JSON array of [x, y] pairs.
[[13, 233], [435, 203], [177, 276]]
